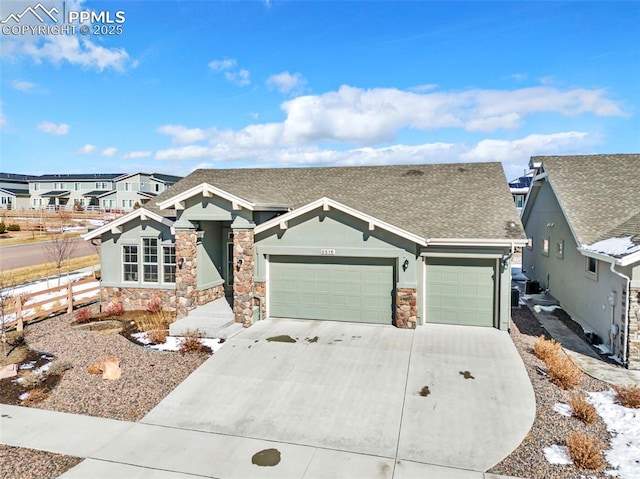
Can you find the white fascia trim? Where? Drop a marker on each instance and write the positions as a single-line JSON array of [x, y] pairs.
[[624, 261], [141, 213], [325, 203], [477, 242], [205, 189]]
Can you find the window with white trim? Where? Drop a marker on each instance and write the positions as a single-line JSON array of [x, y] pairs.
[[545, 246], [591, 266], [130, 262], [150, 260], [169, 264]]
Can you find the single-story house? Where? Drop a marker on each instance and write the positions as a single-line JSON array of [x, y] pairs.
[[401, 245], [582, 215]]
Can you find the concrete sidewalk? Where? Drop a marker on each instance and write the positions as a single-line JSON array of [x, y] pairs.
[[344, 400]]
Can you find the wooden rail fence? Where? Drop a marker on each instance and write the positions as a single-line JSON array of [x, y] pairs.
[[27, 307]]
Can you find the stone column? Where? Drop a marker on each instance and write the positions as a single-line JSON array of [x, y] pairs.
[[243, 271], [406, 308], [186, 276]]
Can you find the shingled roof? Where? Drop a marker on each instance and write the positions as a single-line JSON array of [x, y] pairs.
[[599, 194], [461, 200]]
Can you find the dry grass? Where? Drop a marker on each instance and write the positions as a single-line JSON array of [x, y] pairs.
[[628, 396], [585, 451], [191, 343], [563, 372], [94, 369], [30, 273], [157, 336], [546, 348], [153, 321], [582, 409], [35, 396]]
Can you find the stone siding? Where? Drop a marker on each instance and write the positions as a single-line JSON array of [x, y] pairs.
[[186, 276], [261, 291], [205, 296], [243, 276], [634, 329], [406, 308], [137, 298]]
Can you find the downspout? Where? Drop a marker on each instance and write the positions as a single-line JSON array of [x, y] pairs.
[[625, 346]]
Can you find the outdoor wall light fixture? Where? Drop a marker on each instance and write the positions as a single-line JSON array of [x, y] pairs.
[[405, 265], [180, 263], [239, 264]]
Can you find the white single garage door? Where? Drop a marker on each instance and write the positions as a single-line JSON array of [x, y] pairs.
[[331, 288], [460, 291]]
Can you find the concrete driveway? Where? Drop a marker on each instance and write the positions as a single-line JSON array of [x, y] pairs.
[[376, 397]]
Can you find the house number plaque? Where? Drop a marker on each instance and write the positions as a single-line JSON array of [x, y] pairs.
[[327, 251]]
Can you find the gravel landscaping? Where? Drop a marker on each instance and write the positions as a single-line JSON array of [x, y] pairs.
[[148, 376]]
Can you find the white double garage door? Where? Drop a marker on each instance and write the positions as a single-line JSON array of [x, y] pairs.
[[457, 291]]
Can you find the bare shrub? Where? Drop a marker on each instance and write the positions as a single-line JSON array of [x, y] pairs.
[[546, 348], [582, 409], [563, 372], [116, 309], [33, 379], [585, 450], [36, 395], [82, 315], [154, 305], [191, 343], [157, 336], [628, 396]]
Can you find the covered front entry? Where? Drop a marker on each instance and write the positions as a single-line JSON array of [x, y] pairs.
[[331, 288], [460, 291]]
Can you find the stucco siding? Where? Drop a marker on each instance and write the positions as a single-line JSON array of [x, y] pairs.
[[585, 296], [132, 234]]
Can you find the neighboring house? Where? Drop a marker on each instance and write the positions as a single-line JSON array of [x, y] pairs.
[[135, 189], [519, 189], [379, 244], [583, 218], [64, 191], [14, 191]]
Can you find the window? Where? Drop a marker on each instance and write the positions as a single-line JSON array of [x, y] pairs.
[[58, 186], [592, 266], [157, 185], [519, 199], [169, 264], [36, 186], [545, 246], [130, 262], [76, 186], [101, 185], [560, 249], [150, 260]]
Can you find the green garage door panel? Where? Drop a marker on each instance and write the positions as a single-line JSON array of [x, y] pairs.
[[331, 288], [460, 291]]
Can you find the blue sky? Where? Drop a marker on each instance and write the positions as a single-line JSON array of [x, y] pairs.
[[190, 84]]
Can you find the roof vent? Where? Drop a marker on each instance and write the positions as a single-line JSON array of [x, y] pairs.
[[413, 173]]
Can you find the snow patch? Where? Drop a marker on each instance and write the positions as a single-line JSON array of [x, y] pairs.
[[602, 348], [614, 246], [623, 425], [563, 409], [173, 343], [23, 396], [557, 455], [547, 309]]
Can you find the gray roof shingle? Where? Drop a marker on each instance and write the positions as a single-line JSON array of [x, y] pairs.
[[461, 200], [600, 194]]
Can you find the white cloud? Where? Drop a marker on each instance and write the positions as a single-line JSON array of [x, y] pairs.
[[240, 78], [132, 155], [87, 149], [58, 129], [111, 151], [182, 134], [285, 82], [228, 66], [222, 65], [513, 154], [24, 86]]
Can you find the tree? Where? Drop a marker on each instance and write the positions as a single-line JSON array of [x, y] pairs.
[[59, 249]]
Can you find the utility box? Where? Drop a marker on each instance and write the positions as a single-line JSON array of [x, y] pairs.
[[515, 298], [532, 287]]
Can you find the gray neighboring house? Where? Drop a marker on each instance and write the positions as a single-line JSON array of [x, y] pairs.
[[14, 191], [65, 190], [582, 215], [134, 189], [376, 244]]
